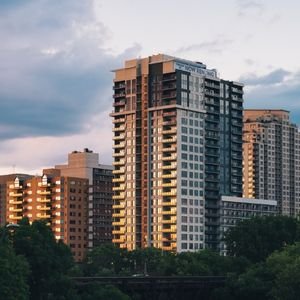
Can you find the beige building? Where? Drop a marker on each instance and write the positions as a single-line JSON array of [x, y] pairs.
[[271, 159], [86, 164]]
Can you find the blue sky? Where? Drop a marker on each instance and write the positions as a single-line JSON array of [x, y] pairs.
[[56, 57]]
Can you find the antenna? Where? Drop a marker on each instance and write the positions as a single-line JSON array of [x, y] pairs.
[[14, 168]]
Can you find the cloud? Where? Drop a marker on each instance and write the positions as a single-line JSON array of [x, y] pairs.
[[215, 46], [280, 89], [54, 67], [30, 155], [249, 7], [276, 76]]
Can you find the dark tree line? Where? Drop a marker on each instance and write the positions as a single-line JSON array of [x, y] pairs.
[[263, 262]]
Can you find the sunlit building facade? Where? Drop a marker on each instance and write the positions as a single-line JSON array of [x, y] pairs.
[[271, 159], [167, 153]]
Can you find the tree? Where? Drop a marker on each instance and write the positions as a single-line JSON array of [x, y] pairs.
[[258, 237], [49, 261], [14, 272]]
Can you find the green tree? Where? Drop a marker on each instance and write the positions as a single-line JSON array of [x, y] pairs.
[[14, 273], [49, 261], [258, 237]]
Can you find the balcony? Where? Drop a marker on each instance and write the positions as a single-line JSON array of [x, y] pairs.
[[117, 197], [43, 200], [15, 217], [16, 194], [119, 206], [119, 120], [172, 192], [169, 212], [12, 209], [117, 146], [20, 201], [43, 192], [120, 214], [169, 203], [118, 223], [119, 240], [168, 158], [169, 149], [119, 163], [170, 131], [119, 154], [119, 188], [170, 175], [172, 220], [44, 208], [172, 229], [120, 179], [120, 171], [170, 140], [170, 166], [118, 231], [119, 128], [43, 216], [173, 183], [119, 137]]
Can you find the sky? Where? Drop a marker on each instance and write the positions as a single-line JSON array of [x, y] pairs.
[[56, 58]]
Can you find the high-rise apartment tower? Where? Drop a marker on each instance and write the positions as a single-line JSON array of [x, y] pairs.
[[177, 148], [271, 159]]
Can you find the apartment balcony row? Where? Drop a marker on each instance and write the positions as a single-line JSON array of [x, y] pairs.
[[120, 214], [170, 122], [170, 149], [44, 200]]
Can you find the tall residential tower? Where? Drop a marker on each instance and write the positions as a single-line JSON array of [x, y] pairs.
[[271, 153], [177, 148]]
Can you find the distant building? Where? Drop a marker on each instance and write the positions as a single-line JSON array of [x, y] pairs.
[[177, 148], [271, 159], [86, 165], [59, 201], [235, 209], [3, 193]]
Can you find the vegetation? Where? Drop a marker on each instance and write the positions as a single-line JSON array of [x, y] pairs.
[[263, 263]]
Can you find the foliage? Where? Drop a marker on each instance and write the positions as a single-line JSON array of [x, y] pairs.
[[14, 271], [258, 237], [49, 260]]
